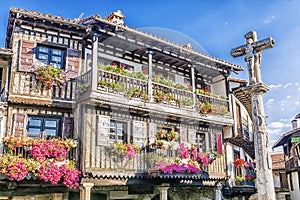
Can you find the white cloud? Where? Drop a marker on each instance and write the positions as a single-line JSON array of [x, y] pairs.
[[276, 129], [276, 125], [268, 21], [297, 103], [288, 84], [275, 86], [288, 97], [270, 103], [283, 102]]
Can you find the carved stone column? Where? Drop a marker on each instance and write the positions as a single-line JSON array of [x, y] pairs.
[[163, 191], [264, 175], [150, 53], [85, 191]]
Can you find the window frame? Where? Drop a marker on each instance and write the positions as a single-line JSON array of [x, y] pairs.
[[50, 54], [201, 140], [116, 128], [43, 126]]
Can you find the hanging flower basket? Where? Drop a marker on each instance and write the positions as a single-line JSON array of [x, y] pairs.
[[50, 76]]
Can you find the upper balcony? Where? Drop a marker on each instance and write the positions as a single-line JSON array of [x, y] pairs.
[[160, 94], [24, 88]]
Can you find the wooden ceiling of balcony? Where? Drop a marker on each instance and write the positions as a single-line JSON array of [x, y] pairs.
[[241, 141], [243, 97], [206, 69], [136, 43]]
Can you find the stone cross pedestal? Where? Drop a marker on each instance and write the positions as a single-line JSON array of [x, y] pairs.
[[264, 183]]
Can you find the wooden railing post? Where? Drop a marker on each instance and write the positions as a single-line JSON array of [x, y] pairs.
[[95, 62]]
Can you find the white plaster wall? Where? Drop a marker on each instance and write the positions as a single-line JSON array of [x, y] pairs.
[[295, 194], [276, 179], [219, 86]]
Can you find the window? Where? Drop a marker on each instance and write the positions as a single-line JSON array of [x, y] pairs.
[[200, 141], [43, 127], [48, 55], [118, 131]]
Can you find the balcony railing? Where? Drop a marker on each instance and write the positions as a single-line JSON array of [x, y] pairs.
[[244, 176], [291, 164], [25, 85], [144, 162], [137, 88], [24, 152]]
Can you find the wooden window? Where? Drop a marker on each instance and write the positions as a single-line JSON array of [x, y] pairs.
[[139, 133], [219, 142], [283, 180], [19, 124], [238, 118], [49, 55], [40, 126], [200, 141], [26, 58], [67, 127], [118, 131]]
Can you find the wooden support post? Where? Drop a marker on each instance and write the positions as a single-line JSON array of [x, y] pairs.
[[193, 83], [163, 191], [150, 53], [95, 62], [85, 191]]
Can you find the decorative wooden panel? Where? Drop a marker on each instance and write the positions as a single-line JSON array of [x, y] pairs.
[[19, 124], [73, 62], [152, 132], [103, 130], [139, 133], [26, 55]]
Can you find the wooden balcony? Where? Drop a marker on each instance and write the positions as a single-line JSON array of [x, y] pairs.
[[25, 88], [24, 152], [113, 88], [292, 164], [105, 163]]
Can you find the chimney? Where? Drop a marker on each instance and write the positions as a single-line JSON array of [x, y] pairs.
[[294, 124]]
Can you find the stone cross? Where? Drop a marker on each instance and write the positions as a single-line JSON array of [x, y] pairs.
[[256, 88], [252, 51]]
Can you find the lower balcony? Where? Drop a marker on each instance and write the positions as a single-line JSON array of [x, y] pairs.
[[39, 162], [154, 163]]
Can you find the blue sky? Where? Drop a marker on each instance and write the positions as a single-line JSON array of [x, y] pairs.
[[218, 26]]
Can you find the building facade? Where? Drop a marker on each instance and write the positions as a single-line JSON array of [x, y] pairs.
[[289, 141], [240, 146], [279, 176], [152, 119]]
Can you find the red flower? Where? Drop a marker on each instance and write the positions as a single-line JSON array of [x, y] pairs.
[[239, 162]]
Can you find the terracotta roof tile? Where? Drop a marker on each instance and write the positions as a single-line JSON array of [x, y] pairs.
[[44, 16], [79, 23]]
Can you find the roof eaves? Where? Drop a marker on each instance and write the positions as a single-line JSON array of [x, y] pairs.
[[233, 67], [49, 17], [283, 138]]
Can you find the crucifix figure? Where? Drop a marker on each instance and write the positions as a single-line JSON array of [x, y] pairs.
[[252, 51]]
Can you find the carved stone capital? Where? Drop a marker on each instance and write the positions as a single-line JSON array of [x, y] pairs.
[[258, 88]]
